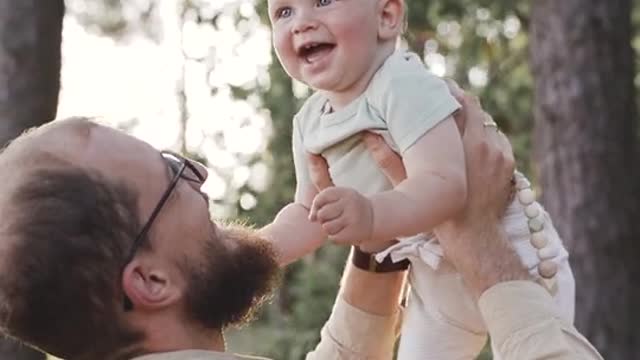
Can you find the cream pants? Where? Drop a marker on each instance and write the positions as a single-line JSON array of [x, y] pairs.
[[442, 321]]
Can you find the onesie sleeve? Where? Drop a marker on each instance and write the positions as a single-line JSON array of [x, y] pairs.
[[413, 103]]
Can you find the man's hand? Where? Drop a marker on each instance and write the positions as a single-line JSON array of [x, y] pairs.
[[473, 236], [490, 164], [489, 161], [345, 214], [388, 160], [319, 173]]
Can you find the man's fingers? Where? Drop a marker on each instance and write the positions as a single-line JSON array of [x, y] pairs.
[[507, 151], [502, 159], [389, 162], [507, 193], [455, 89], [474, 117], [319, 171], [500, 145], [460, 118]]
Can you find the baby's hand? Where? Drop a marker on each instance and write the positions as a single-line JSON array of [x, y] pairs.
[[345, 215]]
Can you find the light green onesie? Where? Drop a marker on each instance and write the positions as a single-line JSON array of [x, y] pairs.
[[402, 102]]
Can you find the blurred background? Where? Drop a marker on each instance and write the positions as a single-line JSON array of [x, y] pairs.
[[199, 76]]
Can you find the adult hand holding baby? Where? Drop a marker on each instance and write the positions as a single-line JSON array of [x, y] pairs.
[[345, 214], [489, 167]]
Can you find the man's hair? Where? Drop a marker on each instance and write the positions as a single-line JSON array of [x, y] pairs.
[[70, 231]]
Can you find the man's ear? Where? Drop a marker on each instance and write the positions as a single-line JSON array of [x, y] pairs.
[[391, 19], [149, 286]]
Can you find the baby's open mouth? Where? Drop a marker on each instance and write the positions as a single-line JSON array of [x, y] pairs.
[[313, 51]]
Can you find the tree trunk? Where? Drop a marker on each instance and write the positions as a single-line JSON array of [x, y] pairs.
[[30, 38], [30, 60], [586, 150]]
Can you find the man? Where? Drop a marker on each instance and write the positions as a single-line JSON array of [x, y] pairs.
[[107, 251]]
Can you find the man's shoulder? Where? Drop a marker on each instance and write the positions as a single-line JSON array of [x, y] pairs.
[[197, 355]]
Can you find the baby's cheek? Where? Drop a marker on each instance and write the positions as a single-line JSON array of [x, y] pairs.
[[286, 54]]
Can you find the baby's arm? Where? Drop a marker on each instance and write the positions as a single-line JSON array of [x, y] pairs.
[[435, 188], [434, 191], [291, 232]]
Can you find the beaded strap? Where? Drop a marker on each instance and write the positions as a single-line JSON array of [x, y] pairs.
[[546, 252]]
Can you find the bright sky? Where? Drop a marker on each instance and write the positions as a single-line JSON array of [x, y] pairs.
[[137, 79]]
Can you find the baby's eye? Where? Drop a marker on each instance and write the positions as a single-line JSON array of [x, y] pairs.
[[284, 12], [324, 2]]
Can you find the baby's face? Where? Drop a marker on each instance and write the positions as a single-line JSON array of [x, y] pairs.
[[327, 44]]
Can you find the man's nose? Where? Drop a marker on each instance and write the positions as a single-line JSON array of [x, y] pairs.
[[304, 22]]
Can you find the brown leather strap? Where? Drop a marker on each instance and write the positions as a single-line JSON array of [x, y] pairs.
[[367, 262]]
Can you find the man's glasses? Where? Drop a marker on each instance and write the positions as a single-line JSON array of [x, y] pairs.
[[181, 168]]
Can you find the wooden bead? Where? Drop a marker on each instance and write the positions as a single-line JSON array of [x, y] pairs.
[[522, 183], [548, 252], [536, 225], [539, 240], [532, 210], [526, 197], [547, 269]]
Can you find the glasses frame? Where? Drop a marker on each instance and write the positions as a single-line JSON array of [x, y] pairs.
[[178, 164]]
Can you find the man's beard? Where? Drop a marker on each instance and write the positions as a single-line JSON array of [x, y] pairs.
[[228, 283]]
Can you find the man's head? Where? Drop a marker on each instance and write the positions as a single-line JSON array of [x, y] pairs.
[[76, 196], [332, 45]]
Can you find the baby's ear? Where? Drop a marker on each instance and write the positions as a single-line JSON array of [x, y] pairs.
[[391, 19]]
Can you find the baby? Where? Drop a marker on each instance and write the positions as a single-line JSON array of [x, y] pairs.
[[346, 50]]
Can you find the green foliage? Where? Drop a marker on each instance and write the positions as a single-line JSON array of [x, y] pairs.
[[489, 36], [116, 18]]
